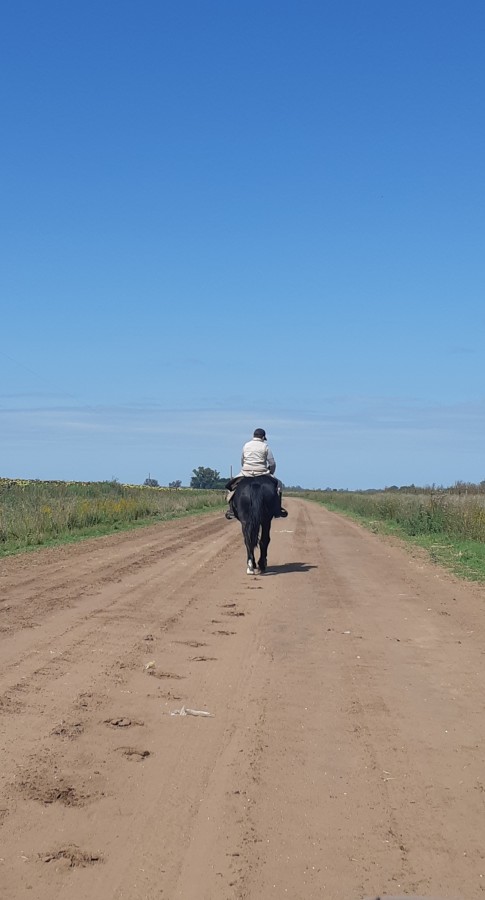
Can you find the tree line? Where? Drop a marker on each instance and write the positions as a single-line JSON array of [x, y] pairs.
[[203, 478]]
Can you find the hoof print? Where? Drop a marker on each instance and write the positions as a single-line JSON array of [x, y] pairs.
[[74, 856], [69, 730], [122, 722], [155, 674], [194, 644], [133, 753], [48, 793]]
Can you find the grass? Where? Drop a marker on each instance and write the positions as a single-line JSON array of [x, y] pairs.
[[45, 513], [450, 528]]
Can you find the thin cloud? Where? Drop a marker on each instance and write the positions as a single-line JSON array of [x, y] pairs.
[[361, 443], [372, 416], [30, 395], [462, 351]]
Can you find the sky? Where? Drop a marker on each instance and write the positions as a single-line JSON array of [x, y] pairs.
[[218, 216]]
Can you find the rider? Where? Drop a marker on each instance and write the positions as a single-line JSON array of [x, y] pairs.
[[256, 459]]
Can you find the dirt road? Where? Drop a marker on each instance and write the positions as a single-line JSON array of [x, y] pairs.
[[345, 755]]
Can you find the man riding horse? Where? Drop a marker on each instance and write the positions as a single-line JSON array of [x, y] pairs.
[[256, 459]]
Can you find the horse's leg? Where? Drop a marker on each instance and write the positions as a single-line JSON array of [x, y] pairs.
[[252, 568], [264, 544]]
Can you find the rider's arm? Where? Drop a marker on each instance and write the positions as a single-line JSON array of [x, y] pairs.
[[271, 461]]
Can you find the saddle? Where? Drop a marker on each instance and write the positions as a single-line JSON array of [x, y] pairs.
[[233, 482]]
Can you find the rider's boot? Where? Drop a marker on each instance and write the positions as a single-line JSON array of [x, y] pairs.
[[230, 514], [281, 512]]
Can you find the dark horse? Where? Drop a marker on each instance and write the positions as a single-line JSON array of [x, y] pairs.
[[255, 503]]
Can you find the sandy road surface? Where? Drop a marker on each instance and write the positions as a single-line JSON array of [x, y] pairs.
[[346, 753]]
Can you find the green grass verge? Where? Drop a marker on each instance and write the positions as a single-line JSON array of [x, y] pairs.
[[46, 514], [13, 548]]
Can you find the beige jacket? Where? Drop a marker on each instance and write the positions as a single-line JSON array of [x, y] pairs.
[[257, 458]]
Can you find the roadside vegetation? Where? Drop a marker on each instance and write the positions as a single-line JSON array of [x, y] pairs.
[[36, 513], [448, 522]]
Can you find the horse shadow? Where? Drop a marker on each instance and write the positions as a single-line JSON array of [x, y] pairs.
[[289, 567]]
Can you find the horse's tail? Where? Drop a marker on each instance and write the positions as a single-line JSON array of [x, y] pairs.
[[255, 515]]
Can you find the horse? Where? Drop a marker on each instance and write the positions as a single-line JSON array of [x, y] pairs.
[[254, 504]]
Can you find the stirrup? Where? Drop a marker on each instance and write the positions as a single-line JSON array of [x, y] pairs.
[[229, 514]]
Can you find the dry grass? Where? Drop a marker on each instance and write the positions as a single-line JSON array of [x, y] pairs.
[[436, 512], [33, 513]]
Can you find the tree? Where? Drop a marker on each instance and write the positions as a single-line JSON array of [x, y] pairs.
[[150, 482], [175, 484], [207, 479]]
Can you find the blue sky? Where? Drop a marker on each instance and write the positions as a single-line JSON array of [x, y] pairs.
[[218, 216]]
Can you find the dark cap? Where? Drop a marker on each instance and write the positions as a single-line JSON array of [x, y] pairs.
[[260, 433]]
